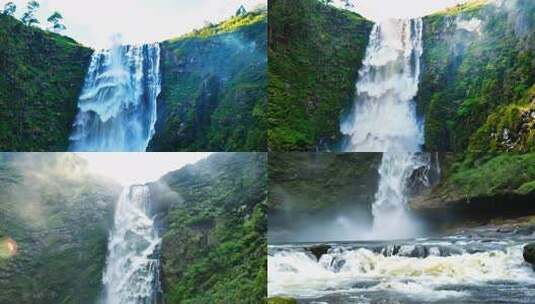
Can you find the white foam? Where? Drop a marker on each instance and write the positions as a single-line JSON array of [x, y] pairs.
[[297, 274], [384, 116]]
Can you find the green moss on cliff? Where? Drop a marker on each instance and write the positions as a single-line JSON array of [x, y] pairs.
[[60, 223], [213, 88], [471, 78], [41, 74], [233, 24], [510, 127], [279, 300], [488, 175], [315, 52], [462, 8], [214, 246]]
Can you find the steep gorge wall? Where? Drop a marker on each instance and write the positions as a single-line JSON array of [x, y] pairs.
[[41, 75], [213, 88], [479, 188], [59, 216], [477, 86], [315, 53], [213, 224]]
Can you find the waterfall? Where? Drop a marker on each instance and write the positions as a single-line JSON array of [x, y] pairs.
[[390, 216], [383, 117], [117, 105], [132, 266]]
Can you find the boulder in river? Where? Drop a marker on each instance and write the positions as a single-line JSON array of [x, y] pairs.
[[529, 253], [319, 250]]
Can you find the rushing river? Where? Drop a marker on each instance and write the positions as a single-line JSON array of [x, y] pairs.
[[482, 266]]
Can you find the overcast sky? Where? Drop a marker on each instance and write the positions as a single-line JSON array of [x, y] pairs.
[[94, 22], [384, 9], [138, 168]]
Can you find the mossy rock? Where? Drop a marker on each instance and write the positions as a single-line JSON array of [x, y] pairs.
[[281, 300]]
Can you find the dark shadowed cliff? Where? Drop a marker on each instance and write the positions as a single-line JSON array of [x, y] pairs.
[[59, 217]]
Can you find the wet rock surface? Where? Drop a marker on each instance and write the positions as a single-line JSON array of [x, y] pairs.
[[319, 250], [529, 253]]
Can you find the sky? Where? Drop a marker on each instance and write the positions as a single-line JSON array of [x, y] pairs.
[[138, 168], [94, 22], [384, 9]]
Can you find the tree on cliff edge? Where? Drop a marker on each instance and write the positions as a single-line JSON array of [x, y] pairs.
[[348, 3], [241, 11], [55, 20], [29, 16], [9, 9]]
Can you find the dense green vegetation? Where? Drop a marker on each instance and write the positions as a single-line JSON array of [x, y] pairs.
[[214, 245], [41, 76], [510, 127], [213, 88], [476, 90], [59, 216], [473, 175], [315, 52]]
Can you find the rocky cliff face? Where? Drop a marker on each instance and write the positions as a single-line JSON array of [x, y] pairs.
[[213, 88], [58, 217], [315, 53], [213, 222], [41, 75], [476, 88], [479, 188]]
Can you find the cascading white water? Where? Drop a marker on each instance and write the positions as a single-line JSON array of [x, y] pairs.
[[390, 217], [117, 106], [384, 117], [439, 271], [132, 266]]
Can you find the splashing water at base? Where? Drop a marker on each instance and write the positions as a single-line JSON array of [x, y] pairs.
[[132, 266], [390, 217], [433, 271], [384, 116], [117, 106]]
